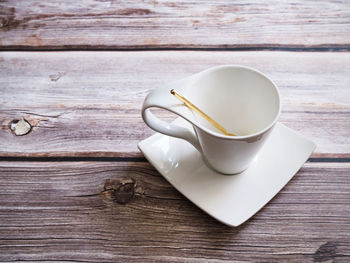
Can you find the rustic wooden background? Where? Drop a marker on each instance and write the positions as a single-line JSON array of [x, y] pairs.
[[73, 75]]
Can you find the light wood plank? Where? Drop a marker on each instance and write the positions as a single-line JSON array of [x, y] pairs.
[[173, 24], [62, 211], [88, 103]]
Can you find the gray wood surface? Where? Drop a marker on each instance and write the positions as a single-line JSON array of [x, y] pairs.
[[88, 103], [70, 211], [173, 24]]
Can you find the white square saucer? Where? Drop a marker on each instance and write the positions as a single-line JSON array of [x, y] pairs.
[[231, 199]]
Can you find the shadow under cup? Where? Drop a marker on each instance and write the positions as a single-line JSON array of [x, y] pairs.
[[245, 103]]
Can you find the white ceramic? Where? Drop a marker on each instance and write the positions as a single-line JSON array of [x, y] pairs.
[[242, 100], [230, 199]]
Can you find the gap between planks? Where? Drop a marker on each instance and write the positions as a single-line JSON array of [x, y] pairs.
[[135, 159], [321, 48]]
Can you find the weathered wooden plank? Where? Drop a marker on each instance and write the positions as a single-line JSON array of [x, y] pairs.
[[68, 211], [88, 103], [173, 24]]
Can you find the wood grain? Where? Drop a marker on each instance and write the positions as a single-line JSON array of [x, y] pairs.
[[173, 24], [88, 103], [62, 211]]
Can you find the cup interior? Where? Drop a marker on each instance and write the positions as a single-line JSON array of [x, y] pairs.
[[240, 99]]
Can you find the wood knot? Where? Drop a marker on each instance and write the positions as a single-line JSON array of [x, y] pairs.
[[122, 191], [134, 11], [325, 252], [9, 22], [56, 77], [20, 127]]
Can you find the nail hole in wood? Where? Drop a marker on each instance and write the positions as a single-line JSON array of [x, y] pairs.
[[20, 127]]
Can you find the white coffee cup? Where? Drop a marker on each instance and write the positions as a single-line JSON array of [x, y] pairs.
[[242, 100]]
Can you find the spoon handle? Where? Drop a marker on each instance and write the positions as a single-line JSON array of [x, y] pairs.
[[205, 116]]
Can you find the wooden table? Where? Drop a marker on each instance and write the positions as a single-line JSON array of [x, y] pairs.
[[73, 75]]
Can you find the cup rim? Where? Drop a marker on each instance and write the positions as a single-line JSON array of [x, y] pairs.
[[243, 137]]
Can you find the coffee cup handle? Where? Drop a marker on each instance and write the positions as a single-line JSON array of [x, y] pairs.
[[161, 99]]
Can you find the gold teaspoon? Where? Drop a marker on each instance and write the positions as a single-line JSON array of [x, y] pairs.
[[205, 116]]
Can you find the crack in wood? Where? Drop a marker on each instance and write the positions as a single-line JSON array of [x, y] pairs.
[[56, 77], [44, 115]]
